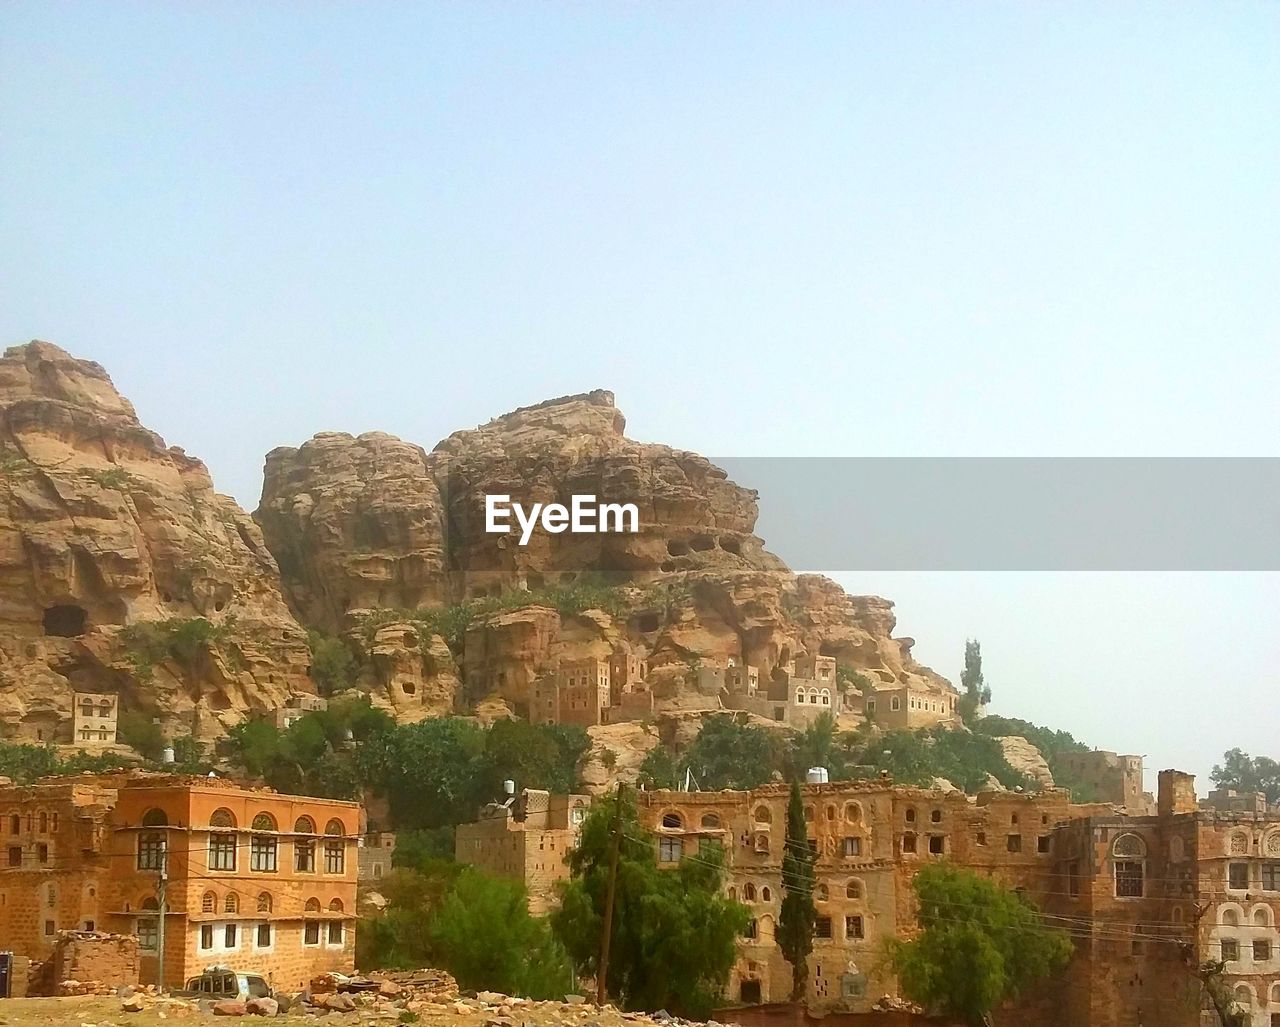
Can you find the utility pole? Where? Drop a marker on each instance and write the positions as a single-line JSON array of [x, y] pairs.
[[602, 972], [162, 904]]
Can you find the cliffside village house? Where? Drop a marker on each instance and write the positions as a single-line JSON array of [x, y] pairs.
[[253, 879]]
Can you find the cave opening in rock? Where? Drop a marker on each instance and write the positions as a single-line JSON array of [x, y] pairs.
[[730, 545], [65, 620], [701, 543], [677, 548], [647, 622], [409, 687]]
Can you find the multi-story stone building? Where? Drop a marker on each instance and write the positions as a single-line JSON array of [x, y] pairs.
[[376, 851], [911, 707], [1109, 777], [93, 719], [525, 839], [253, 879], [298, 706], [1145, 898]]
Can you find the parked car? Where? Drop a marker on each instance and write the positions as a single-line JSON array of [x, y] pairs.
[[220, 982]]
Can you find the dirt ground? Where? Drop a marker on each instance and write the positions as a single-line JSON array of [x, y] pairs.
[[106, 1012]]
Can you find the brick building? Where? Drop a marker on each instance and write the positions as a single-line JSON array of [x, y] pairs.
[[527, 840], [1145, 898], [256, 880]]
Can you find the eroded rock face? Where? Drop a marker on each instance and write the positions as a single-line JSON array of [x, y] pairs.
[[367, 522], [101, 526], [356, 524]]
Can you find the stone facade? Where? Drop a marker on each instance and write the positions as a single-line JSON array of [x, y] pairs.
[[296, 707], [255, 880], [376, 850], [1145, 898], [903, 707], [93, 719], [526, 840], [1109, 777]]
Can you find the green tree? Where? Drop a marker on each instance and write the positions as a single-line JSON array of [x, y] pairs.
[[659, 768], [798, 913], [976, 691], [140, 730], [399, 938], [979, 945], [1247, 773], [484, 936], [333, 666], [424, 847], [727, 754], [674, 931]]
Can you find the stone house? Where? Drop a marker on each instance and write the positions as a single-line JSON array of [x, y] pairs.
[[911, 707], [376, 851], [1109, 777], [525, 839], [296, 707], [1145, 898], [93, 719], [255, 879]]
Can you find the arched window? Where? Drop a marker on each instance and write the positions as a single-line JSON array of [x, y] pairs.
[[672, 821], [1230, 918], [334, 827], [1244, 996], [763, 815], [765, 894], [304, 825], [209, 903], [749, 892], [853, 812], [86, 708], [831, 813], [154, 817], [231, 903], [262, 847], [1261, 916], [710, 821], [335, 906], [820, 893], [1239, 844], [44, 822], [826, 696], [910, 815], [222, 817], [150, 903], [264, 902], [733, 894], [1128, 860], [799, 696], [104, 708], [312, 906], [808, 814], [853, 890], [813, 696]]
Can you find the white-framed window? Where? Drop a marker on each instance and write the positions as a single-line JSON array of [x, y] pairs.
[[670, 850], [895, 703]]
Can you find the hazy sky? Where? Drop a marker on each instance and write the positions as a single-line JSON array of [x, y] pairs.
[[916, 229]]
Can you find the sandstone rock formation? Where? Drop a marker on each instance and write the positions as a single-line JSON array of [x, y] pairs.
[[1026, 759], [103, 526], [121, 570]]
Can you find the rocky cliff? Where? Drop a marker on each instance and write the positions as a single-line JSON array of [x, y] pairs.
[[360, 525], [103, 529], [123, 571]]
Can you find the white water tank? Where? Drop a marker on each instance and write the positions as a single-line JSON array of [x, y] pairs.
[[817, 776], [166, 754]]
